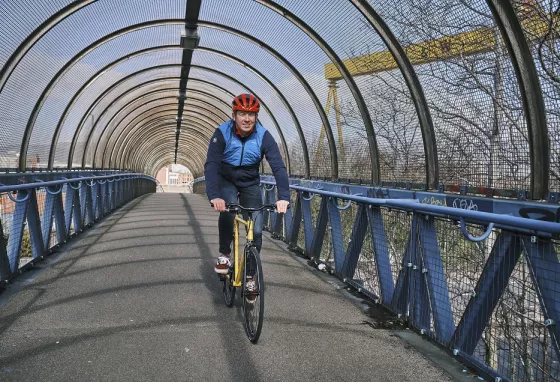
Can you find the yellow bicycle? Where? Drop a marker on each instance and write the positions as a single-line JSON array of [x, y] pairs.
[[245, 272]]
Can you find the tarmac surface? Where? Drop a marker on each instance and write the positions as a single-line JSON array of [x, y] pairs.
[[135, 298]]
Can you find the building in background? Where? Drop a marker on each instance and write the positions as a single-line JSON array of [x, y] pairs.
[[175, 178]]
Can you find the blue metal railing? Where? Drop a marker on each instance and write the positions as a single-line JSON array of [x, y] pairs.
[[39, 214], [484, 285]]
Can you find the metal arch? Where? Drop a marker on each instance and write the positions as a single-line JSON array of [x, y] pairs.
[[120, 134], [288, 163], [107, 91], [64, 115], [35, 36], [282, 98], [134, 125], [106, 148], [147, 110], [414, 86], [210, 95], [196, 165], [368, 124], [531, 94], [84, 52], [286, 153], [71, 103], [166, 140], [38, 105], [156, 148], [100, 116], [221, 27], [148, 130], [141, 155]]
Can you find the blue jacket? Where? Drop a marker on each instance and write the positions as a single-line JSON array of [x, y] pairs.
[[237, 159]]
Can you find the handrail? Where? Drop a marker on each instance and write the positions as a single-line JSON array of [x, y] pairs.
[[415, 205], [28, 186]]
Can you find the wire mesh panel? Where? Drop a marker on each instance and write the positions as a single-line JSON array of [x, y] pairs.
[[471, 87], [539, 20], [68, 130]]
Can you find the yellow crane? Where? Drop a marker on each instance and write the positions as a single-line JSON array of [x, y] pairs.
[[478, 41]]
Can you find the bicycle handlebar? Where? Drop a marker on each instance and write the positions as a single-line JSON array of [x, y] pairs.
[[234, 207]]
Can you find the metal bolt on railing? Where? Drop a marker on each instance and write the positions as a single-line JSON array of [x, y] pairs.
[[409, 265], [549, 322], [424, 270], [533, 239], [455, 351]]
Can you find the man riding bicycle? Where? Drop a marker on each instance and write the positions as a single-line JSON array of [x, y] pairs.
[[232, 168]]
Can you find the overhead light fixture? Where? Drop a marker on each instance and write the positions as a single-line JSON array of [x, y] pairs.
[[190, 38]]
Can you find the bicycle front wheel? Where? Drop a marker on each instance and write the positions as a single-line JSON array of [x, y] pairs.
[[253, 294]]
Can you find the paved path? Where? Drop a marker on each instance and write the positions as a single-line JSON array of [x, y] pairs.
[[136, 299]]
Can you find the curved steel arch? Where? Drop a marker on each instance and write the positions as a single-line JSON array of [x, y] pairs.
[[414, 86], [290, 67], [286, 153], [210, 95], [104, 155], [120, 133], [95, 153], [148, 131], [197, 166], [530, 92], [35, 36], [280, 133], [100, 116], [64, 115], [141, 124], [84, 52], [109, 66], [145, 131], [140, 156], [62, 119], [156, 148]]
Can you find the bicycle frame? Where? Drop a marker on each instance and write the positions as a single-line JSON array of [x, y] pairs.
[[237, 261]]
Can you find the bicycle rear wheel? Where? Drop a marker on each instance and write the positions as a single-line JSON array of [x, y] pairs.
[[229, 289], [253, 301]]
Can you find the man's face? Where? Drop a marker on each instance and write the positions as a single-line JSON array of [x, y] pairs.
[[245, 121]]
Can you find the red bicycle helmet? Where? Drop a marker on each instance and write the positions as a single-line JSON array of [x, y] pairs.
[[246, 102]]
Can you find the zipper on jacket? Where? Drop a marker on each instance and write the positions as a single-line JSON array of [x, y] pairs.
[[242, 150]]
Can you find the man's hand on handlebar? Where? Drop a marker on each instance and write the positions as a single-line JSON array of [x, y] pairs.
[[282, 206], [219, 204]]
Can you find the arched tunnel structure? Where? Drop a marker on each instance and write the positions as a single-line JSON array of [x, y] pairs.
[[448, 96], [354, 89]]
